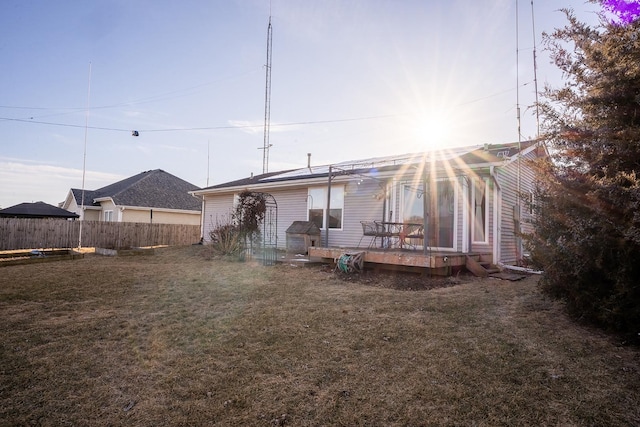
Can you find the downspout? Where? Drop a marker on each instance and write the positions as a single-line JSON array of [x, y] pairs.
[[326, 217], [202, 217], [497, 215], [466, 208], [425, 214]]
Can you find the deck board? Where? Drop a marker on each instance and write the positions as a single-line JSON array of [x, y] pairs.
[[434, 260]]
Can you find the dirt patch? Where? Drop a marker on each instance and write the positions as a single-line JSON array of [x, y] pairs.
[[403, 281]]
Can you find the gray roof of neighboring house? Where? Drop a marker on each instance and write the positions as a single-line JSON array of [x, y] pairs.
[[36, 210], [469, 155], [153, 189]]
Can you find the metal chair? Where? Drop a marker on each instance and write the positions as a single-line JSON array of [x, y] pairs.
[[369, 229]]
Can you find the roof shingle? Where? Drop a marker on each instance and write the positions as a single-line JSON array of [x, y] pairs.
[[152, 189]]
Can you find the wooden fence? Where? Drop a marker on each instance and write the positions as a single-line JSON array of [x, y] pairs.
[[28, 233]]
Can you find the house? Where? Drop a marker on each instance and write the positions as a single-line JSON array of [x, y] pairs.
[[464, 200], [153, 196], [36, 210]]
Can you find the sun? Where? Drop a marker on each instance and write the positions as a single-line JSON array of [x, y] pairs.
[[433, 131]]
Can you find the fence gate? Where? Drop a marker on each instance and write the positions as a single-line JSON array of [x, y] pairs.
[[270, 231]]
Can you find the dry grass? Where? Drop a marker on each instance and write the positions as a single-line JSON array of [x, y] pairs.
[[175, 339]]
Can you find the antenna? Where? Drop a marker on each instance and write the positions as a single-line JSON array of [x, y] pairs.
[[517, 208], [267, 101], [208, 157], [518, 76], [84, 157], [535, 71]]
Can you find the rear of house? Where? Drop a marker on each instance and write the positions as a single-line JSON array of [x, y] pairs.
[[463, 200]]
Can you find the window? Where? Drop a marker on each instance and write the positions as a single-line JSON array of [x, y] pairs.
[[413, 203], [317, 206], [479, 213], [108, 216], [531, 204]]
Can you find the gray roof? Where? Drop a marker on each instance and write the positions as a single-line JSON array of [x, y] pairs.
[[303, 227], [36, 210], [469, 155], [253, 179], [150, 189]]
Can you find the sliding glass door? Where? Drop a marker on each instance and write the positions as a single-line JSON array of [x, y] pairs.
[[441, 211]]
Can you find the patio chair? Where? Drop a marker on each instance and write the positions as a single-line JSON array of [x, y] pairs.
[[410, 232], [370, 229]]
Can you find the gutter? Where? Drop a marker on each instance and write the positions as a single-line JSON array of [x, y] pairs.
[[520, 269], [319, 180], [144, 208]]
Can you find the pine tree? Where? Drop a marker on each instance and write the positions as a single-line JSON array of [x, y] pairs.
[[588, 202]]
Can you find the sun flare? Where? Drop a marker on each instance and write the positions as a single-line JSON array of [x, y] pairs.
[[433, 131]]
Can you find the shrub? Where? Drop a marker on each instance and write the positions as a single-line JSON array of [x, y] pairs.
[[226, 240], [587, 223]]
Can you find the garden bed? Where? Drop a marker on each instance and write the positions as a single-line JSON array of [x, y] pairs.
[[37, 256], [125, 251]]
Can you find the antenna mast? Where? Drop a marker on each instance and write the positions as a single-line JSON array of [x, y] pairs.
[[517, 207], [535, 71], [84, 158], [267, 103], [518, 76]]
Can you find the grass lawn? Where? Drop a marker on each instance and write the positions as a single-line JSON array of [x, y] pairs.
[[176, 339]]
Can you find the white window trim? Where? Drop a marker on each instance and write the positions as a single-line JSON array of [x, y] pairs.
[[456, 194], [108, 213], [486, 212], [325, 213]]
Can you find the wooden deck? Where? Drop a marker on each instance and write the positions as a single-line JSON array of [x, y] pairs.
[[436, 262]]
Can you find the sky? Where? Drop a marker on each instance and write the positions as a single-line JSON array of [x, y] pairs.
[[350, 79]]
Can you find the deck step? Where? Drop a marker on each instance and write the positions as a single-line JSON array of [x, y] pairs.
[[480, 268]]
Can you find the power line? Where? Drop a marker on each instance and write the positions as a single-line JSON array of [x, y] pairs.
[[227, 127], [159, 97]]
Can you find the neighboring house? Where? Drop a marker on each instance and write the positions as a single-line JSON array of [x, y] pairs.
[[471, 199], [153, 196], [36, 210]]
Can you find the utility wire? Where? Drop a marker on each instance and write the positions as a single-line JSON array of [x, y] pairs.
[[159, 97], [303, 123]]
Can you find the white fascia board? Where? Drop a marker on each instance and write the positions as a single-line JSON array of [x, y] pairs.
[[306, 182], [521, 154], [263, 186], [143, 208]]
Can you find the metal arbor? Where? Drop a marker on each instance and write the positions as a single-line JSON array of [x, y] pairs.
[[270, 230]]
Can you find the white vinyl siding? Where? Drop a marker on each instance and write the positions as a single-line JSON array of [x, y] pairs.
[[292, 206], [217, 211], [508, 178], [363, 201]]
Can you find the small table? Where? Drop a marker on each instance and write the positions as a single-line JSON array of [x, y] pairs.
[[400, 231]]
